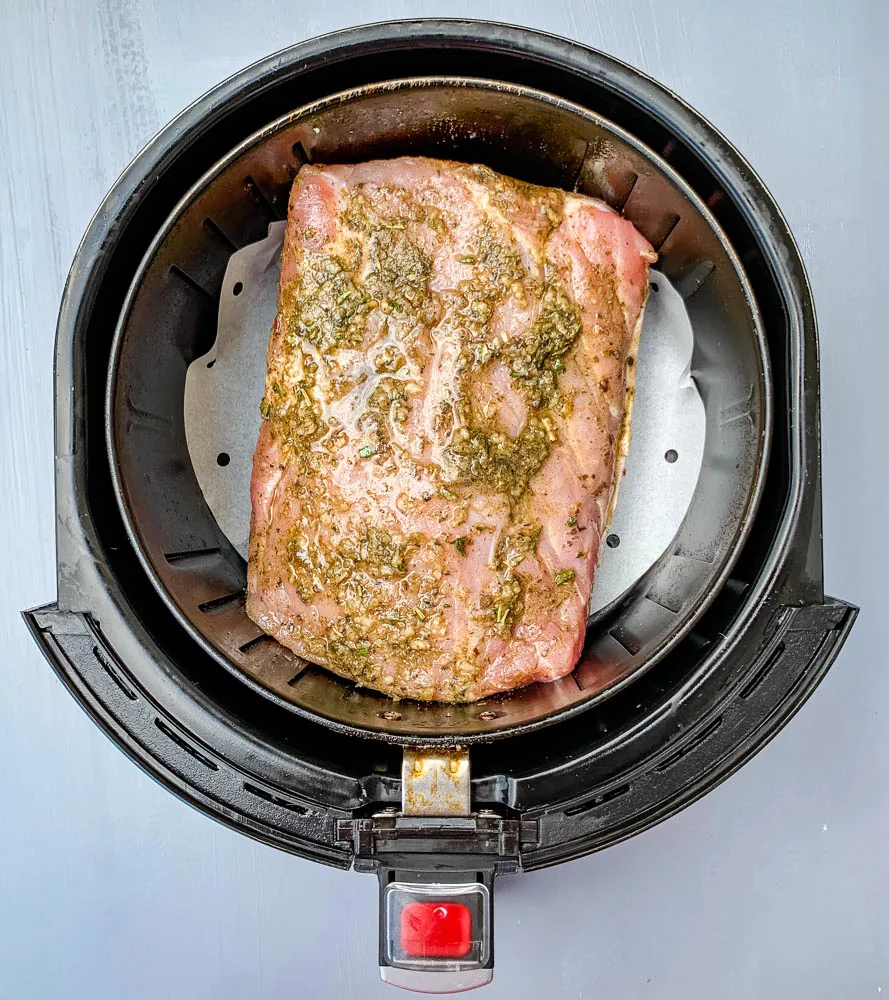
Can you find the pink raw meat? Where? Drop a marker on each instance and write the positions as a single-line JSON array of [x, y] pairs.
[[450, 375]]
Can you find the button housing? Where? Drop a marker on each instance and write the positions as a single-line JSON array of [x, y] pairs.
[[436, 926]]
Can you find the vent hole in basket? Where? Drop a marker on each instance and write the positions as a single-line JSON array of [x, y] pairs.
[[277, 800], [217, 604], [259, 640], [113, 674], [588, 804], [191, 555], [696, 741], [180, 741]]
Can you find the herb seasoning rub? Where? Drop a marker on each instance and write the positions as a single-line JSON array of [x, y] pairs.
[[445, 411]]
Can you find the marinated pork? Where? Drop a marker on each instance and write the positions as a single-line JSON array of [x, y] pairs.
[[450, 375]]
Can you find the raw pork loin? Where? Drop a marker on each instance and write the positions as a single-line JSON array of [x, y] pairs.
[[450, 375]]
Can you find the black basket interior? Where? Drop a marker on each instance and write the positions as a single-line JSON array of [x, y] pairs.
[[619, 729], [170, 320]]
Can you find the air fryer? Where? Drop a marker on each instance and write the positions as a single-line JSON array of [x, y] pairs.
[[682, 678]]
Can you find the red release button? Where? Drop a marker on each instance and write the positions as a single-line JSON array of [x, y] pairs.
[[436, 930]]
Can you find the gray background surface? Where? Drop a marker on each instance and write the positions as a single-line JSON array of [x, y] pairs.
[[775, 885]]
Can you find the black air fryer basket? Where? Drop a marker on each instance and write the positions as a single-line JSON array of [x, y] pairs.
[[682, 679]]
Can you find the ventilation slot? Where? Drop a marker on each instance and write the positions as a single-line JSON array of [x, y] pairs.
[[276, 800], [736, 586], [612, 793], [674, 607], [704, 734], [219, 603], [140, 417], [218, 233], [816, 656], [190, 281], [185, 745], [700, 642], [190, 555], [688, 285], [670, 222], [629, 642], [114, 675], [763, 672], [630, 185], [253, 643], [253, 189]]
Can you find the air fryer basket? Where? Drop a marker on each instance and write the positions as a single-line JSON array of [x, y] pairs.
[[131, 655], [533, 136]]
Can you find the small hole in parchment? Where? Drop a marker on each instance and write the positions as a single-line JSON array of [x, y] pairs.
[[671, 456], [612, 541], [652, 285], [238, 288], [211, 363], [223, 458]]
